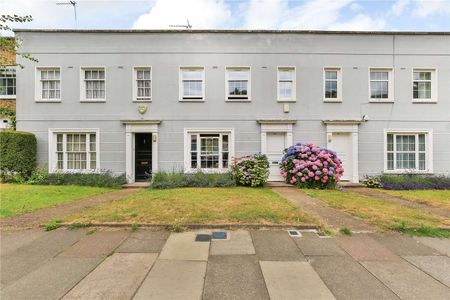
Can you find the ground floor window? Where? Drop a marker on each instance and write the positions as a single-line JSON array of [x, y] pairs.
[[208, 151], [408, 151], [76, 151]]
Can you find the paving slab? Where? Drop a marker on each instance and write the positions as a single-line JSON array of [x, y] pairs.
[[36, 253], [363, 248], [118, 277], [234, 277], [98, 244], [310, 245], [435, 266], [239, 242], [182, 246], [441, 245], [275, 245], [347, 279], [403, 245], [174, 279], [52, 280], [10, 241], [293, 280], [407, 281], [144, 241]]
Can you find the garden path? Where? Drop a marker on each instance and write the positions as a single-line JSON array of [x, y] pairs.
[[43, 216], [331, 217]]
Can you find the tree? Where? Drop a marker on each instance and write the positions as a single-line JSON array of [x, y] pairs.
[[9, 45]]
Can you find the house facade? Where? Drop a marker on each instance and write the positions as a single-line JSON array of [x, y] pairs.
[[135, 102], [7, 86]]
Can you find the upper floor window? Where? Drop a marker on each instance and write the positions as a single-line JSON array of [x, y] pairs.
[[238, 83], [142, 84], [48, 84], [381, 85], [408, 152], [7, 82], [93, 84], [332, 84], [286, 84], [424, 85], [192, 84]]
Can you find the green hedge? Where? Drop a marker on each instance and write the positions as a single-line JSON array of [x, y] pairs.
[[170, 180], [17, 153]]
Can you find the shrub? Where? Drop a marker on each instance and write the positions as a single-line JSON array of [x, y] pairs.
[[17, 153], [309, 166], [373, 182], [251, 170], [414, 182], [100, 179], [169, 180]]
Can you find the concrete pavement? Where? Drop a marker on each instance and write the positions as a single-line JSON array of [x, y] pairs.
[[257, 264]]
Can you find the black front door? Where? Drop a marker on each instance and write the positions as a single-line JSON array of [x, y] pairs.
[[143, 156]]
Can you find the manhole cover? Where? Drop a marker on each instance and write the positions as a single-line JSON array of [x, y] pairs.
[[294, 233], [221, 235], [202, 238]]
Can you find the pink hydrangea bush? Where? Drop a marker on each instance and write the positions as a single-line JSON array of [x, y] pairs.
[[250, 170], [310, 166]]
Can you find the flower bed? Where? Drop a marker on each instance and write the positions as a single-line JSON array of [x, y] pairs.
[[310, 166]]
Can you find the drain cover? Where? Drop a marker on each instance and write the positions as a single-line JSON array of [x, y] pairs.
[[202, 238], [221, 235], [294, 233]]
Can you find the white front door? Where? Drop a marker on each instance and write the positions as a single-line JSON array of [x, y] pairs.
[[276, 143], [341, 143]]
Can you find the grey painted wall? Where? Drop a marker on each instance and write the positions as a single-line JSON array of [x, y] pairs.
[[263, 52]]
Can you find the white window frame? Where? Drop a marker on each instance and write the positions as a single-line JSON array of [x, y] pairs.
[[15, 95], [428, 150], [390, 72], [135, 88], [294, 84], [38, 84], [339, 84], [181, 96], [249, 83], [83, 84], [53, 159], [434, 85], [187, 148]]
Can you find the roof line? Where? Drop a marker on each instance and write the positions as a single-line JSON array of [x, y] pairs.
[[232, 31]]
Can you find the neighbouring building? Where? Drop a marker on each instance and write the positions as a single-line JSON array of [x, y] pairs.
[[7, 85], [137, 101]]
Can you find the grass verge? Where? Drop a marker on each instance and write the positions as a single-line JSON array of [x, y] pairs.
[[17, 199], [384, 214], [198, 206], [435, 198]]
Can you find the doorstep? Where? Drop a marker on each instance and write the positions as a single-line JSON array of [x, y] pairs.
[[136, 185]]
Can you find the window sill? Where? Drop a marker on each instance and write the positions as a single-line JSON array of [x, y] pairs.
[[424, 101], [287, 100], [191, 100], [381, 101], [8, 97], [209, 171], [76, 171], [92, 101], [47, 101], [142, 101], [409, 171], [332, 100], [238, 100]]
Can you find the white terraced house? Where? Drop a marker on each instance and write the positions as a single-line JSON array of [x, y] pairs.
[[138, 101]]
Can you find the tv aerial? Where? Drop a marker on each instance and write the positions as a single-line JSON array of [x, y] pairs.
[[74, 4], [187, 26]]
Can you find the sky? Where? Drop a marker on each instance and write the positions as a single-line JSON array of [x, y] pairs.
[[386, 15]]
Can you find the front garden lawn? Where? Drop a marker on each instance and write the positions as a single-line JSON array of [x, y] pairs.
[[435, 198], [384, 214], [16, 199], [197, 206]]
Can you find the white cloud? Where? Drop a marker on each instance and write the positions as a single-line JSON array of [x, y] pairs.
[[262, 14], [399, 7], [431, 7], [356, 7], [360, 22], [201, 14]]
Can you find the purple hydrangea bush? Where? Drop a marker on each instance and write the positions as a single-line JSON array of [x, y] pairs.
[[251, 170], [310, 166]]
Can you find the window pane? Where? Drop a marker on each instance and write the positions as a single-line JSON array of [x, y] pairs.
[[237, 87], [238, 74], [390, 161], [192, 74], [390, 142], [286, 74], [330, 74]]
